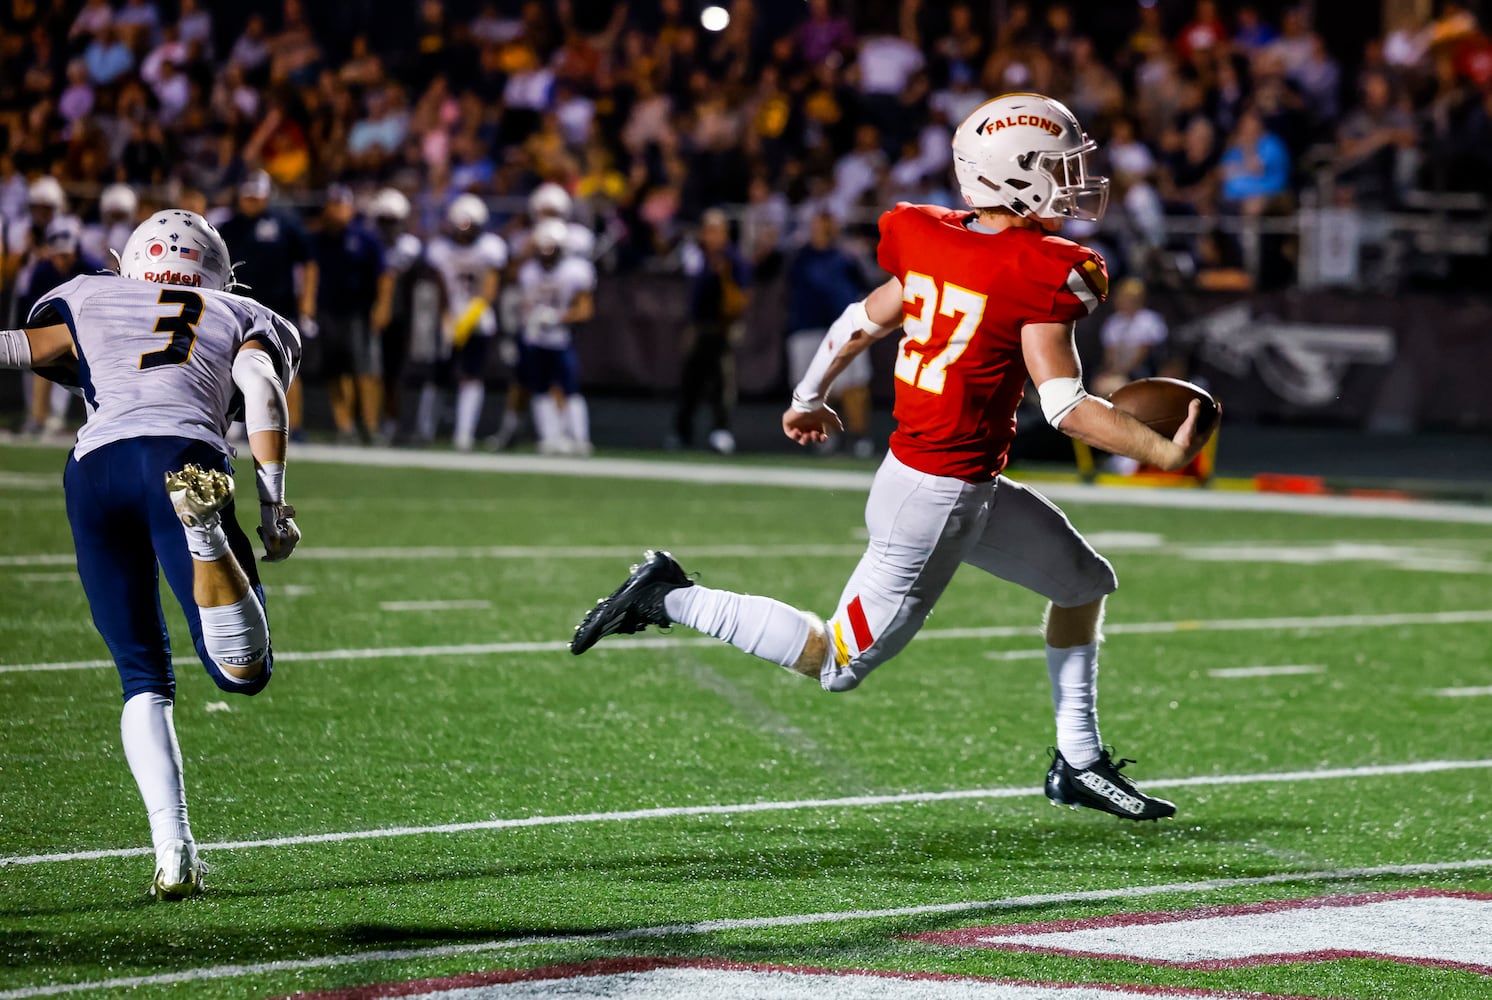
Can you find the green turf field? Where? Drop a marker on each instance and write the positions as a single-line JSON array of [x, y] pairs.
[[367, 729]]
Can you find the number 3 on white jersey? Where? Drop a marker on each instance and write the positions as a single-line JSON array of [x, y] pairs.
[[920, 367]]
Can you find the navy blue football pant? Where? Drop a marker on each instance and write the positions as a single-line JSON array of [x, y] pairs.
[[123, 526]]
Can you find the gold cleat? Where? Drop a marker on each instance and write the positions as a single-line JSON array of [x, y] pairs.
[[179, 872], [198, 494]]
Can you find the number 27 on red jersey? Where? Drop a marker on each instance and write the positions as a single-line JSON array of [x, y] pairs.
[[927, 352]]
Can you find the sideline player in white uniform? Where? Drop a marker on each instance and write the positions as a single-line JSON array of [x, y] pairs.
[[556, 290], [158, 353], [117, 209], [25, 246], [470, 262], [548, 202], [984, 296]]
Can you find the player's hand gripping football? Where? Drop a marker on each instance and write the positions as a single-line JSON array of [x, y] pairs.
[[277, 530], [1191, 438], [811, 428]]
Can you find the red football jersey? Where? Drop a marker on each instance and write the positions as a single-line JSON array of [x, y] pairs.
[[960, 372]]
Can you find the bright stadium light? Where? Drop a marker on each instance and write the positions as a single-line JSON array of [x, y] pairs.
[[714, 18]]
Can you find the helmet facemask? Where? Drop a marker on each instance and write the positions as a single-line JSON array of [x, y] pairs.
[[1075, 194]]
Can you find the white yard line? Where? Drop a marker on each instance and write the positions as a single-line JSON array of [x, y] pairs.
[[471, 605], [723, 474], [217, 972], [792, 805], [1302, 624], [1284, 670], [1466, 692]]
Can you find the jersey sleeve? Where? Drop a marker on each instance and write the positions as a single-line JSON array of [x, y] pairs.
[[581, 274], [1079, 282], [494, 251], [893, 228], [280, 339]]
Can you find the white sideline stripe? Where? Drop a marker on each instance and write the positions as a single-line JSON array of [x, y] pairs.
[[215, 972], [1421, 555], [792, 805], [986, 632], [1467, 692], [1284, 670], [722, 474], [472, 605], [388, 552]]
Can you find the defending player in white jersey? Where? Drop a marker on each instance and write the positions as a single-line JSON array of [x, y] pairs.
[[556, 290], [159, 353], [548, 202], [470, 262]]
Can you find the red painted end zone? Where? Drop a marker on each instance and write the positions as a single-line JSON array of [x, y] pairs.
[[615, 966]]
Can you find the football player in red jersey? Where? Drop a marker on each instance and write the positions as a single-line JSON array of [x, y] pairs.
[[985, 297]]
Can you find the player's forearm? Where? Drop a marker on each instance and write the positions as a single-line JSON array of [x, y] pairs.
[[848, 336], [266, 418], [24, 349], [582, 310], [1097, 423]]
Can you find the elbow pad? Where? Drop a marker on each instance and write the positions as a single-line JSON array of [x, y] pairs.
[[1059, 397], [263, 396]]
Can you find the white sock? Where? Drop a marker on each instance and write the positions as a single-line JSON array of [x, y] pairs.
[[1074, 676], [154, 757], [469, 398], [547, 419], [236, 635], [207, 542], [578, 419], [424, 415], [760, 626]]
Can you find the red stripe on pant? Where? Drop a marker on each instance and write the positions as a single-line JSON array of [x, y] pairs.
[[856, 612]]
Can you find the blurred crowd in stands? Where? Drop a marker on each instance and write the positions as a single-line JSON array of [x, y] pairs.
[[650, 115]]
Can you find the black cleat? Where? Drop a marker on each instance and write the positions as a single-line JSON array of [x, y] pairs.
[[1101, 786], [635, 605]]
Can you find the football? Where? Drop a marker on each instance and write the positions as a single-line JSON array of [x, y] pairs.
[[1161, 403]]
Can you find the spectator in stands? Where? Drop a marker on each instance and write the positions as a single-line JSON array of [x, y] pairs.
[[107, 57], [1255, 167], [1189, 179], [824, 34], [1251, 32], [1204, 34], [821, 280], [719, 286], [251, 51], [353, 295], [1372, 143], [91, 21], [1319, 80]]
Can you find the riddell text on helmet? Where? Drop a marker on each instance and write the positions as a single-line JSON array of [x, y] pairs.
[[174, 278], [991, 126]]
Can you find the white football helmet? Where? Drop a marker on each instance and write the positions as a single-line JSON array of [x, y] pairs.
[[550, 235], [549, 200], [119, 199], [177, 247], [1027, 153], [46, 192], [389, 203], [467, 212]]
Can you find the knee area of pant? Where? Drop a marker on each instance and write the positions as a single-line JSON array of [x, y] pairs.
[[231, 685], [1098, 582]]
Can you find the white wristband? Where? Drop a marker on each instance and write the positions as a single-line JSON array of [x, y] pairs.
[[270, 479], [807, 404], [1059, 397]]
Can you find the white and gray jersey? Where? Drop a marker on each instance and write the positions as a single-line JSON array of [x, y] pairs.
[[157, 360], [464, 267], [554, 289]]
